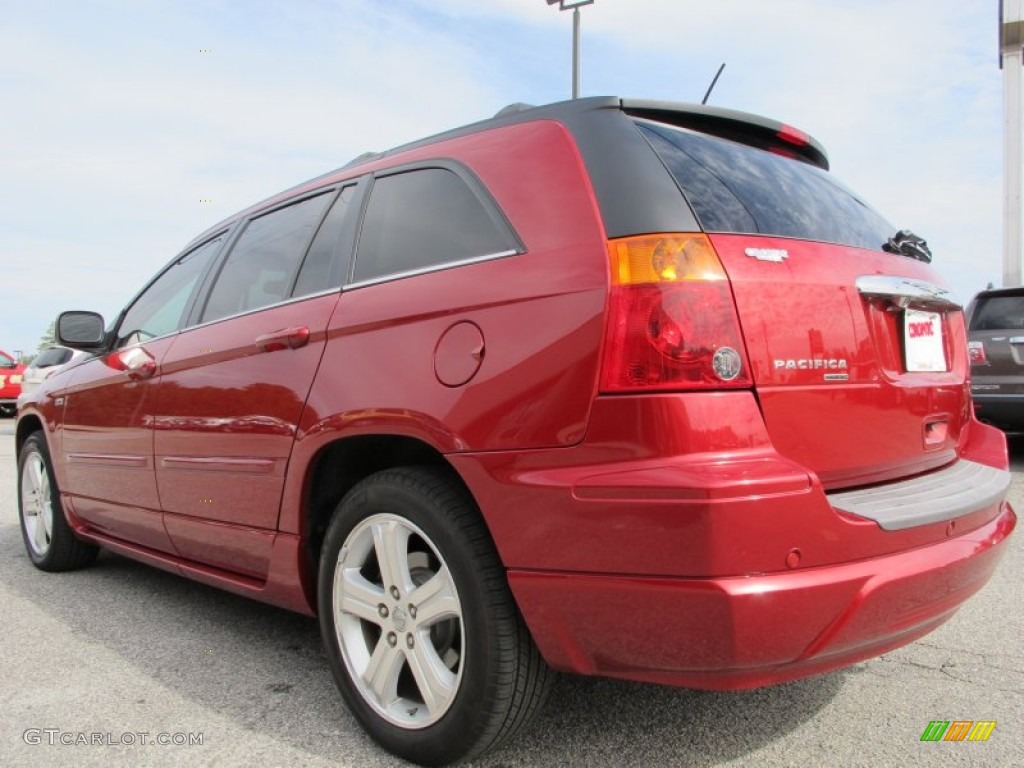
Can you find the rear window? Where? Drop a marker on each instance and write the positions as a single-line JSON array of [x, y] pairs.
[[999, 313], [51, 357], [738, 189]]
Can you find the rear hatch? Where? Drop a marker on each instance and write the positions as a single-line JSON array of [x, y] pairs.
[[858, 356], [997, 343]]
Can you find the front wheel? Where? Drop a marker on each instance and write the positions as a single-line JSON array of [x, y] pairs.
[[423, 636], [49, 540]]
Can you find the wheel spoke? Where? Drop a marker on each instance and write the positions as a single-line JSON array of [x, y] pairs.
[[381, 674], [36, 474], [40, 537], [391, 543], [435, 600], [435, 681], [359, 597]]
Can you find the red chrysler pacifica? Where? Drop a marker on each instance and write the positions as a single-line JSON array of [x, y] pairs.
[[611, 387]]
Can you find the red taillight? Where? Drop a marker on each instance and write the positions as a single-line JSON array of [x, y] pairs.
[[671, 319], [976, 351]]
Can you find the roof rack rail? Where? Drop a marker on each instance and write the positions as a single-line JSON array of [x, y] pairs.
[[363, 158], [512, 109]]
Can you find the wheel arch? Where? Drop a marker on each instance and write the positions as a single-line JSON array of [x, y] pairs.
[[26, 426], [338, 466]]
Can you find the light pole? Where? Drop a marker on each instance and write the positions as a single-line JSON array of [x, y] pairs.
[[1011, 45], [574, 6]]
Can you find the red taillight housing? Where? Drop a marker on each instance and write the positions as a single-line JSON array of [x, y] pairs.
[[671, 322], [976, 352]]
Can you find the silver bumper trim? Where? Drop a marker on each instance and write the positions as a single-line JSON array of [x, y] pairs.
[[957, 490]]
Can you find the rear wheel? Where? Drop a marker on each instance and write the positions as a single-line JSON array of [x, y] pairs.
[[423, 636], [51, 544]]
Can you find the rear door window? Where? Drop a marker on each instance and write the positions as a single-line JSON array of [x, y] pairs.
[[315, 275], [425, 218], [262, 264], [734, 188]]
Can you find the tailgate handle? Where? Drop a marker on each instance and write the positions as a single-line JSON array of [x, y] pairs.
[[906, 292], [286, 338]]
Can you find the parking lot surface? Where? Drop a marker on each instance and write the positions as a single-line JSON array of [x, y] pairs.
[[120, 657]]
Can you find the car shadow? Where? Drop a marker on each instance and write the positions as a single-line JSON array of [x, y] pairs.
[[264, 668]]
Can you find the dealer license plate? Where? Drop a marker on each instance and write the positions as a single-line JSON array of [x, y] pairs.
[[923, 346]]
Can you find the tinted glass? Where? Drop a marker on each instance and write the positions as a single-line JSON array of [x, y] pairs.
[[161, 307], [421, 219], [7, 362], [739, 189], [51, 357], [999, 313], [260, 267], [315, 274]]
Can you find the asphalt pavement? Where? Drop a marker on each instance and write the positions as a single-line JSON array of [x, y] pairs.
[[119, 657]]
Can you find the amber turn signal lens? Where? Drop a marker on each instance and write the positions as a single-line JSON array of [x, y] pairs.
[[663, 259]]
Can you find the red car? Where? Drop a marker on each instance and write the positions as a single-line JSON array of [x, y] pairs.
[[11, 372], [611, 387]]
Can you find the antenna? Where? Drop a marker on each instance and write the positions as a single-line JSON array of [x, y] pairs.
[[712, 86]]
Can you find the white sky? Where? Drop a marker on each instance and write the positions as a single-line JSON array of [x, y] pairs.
[[114, 125]]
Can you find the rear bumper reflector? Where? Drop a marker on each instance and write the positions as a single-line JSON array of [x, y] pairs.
[[957, 490]]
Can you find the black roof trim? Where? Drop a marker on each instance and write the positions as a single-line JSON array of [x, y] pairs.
[[635, 191]]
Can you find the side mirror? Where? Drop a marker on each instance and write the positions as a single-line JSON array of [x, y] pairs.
[[80, 330]]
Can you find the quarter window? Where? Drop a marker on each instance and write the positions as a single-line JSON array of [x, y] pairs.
[[160, 309], [423, 218], [260, 267]]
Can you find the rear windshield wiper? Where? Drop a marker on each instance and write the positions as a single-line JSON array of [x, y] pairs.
[[907, 243]]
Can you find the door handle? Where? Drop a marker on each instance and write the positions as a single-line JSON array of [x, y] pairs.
[[135, 361], [286, 338]]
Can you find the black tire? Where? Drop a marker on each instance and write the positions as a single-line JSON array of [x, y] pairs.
[[57, 549], [502, 681]]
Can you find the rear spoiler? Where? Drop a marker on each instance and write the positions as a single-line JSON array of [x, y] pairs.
[[742, 127]]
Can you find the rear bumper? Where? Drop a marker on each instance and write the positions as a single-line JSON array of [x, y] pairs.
[[676, 545], [742, 632]]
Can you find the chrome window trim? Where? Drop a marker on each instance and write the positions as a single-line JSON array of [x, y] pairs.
[[432, 268], [289, 300]]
